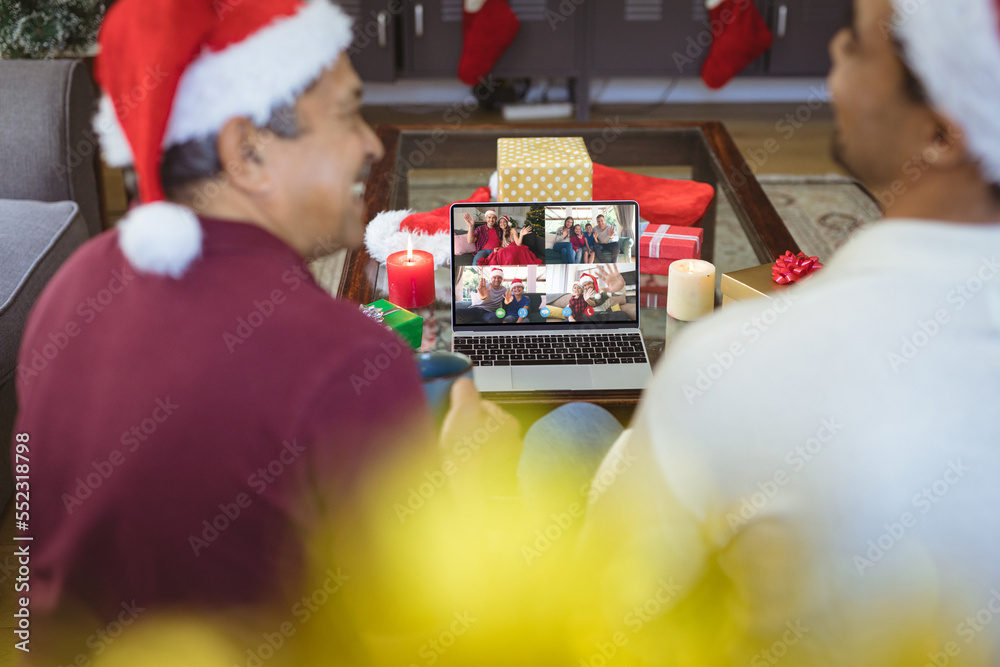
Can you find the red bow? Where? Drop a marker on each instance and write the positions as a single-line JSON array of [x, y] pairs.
[[791, 268]]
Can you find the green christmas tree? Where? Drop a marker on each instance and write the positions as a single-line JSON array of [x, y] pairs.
[[40, 29], [536, 220]]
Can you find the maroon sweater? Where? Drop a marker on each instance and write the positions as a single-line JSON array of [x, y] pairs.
[[183, 431]]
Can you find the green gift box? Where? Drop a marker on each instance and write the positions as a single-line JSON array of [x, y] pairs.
[[402, 321]]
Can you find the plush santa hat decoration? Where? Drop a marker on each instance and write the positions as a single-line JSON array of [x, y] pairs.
[[953, 48], [172, 72], [740, 36], [663, 201], [488, 28]]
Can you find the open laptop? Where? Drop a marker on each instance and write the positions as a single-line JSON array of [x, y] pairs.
[[534, 318]]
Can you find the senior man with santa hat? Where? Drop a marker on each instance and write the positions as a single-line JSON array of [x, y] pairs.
[[196, 422]]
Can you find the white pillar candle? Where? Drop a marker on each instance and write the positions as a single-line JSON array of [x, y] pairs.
[[690, 289]]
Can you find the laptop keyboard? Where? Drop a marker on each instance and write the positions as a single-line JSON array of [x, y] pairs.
[[552, 349]]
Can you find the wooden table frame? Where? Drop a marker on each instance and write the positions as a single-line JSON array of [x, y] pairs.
[[704, 146]]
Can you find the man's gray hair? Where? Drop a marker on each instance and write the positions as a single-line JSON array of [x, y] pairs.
[[198, 159]]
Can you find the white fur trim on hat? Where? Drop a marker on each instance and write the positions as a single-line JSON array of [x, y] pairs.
[[383, 237], [496, 271], [953, 47], [494, 186], [250, 78], [160, 238], [473, 6], [115, 148]]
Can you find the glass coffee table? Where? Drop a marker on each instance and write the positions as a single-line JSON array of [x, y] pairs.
[[426, 167]]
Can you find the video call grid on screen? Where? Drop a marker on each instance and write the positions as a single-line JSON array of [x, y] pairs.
[[547, 270]]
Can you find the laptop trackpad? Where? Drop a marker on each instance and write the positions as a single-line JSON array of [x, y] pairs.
[[492, 378], [530, 378]]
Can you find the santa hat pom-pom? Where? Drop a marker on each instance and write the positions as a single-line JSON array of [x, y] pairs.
[[160, 238], [115, 148], [382, 236]]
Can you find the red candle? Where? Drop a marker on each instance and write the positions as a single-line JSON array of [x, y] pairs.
[[411, 277]]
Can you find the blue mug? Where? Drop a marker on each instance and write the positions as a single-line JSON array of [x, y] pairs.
[[439, 370]]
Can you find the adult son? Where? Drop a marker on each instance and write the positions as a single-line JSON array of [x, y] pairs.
[[817, 473]]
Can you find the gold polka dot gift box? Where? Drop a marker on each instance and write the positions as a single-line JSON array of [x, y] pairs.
[[543, 169]]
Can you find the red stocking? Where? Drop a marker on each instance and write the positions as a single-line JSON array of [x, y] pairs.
[[486, 34], [743, 37]]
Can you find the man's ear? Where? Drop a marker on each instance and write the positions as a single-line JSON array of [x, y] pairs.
[[241, 153], [944, 145]]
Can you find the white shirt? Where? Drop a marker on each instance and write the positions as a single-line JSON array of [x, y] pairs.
[[840, 445]]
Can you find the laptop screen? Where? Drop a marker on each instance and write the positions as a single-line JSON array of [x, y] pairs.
[[553, 264]]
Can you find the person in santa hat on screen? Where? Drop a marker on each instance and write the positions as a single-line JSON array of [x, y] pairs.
[[514, 301], [220, 397], [488, 298]]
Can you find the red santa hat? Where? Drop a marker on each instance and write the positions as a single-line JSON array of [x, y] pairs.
[[172, 72], [586, 277], [496, 271], [515, 282], [953, 48]]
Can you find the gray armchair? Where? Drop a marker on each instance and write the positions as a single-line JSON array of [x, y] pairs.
[[49, 200]]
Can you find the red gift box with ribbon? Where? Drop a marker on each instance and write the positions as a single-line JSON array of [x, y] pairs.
[[661, 245]]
